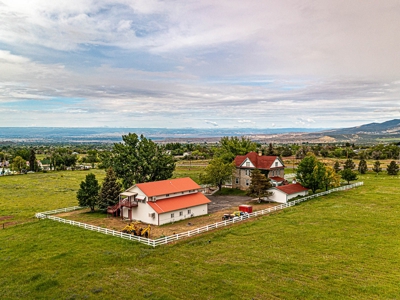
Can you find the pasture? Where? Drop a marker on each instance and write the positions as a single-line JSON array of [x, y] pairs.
[[342, 246]]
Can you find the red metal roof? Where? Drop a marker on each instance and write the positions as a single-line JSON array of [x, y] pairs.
[[260, 162], [292, 188], [179, 202], [277, 178], [169, 186]]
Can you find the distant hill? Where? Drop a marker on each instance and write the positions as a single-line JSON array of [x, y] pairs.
[[388, 127]]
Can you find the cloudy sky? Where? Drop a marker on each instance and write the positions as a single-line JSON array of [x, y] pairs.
[[201, 64]]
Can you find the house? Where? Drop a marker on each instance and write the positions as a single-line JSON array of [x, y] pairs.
[[5, 164], [162, 202], [271, 166], [284, 193]]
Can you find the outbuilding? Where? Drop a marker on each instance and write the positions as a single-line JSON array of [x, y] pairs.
[[284, 193]]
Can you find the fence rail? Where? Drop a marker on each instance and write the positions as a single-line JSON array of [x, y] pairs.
[[190, 233]]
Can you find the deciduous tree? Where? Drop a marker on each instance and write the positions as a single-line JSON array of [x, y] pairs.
[[138, 160], [18, 163], [233, 146], [349, 175], [217, 172], [331, 178], [311, 172], [88, 194]]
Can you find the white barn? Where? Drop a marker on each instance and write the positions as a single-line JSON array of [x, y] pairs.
[[164, 201], [284, 193]]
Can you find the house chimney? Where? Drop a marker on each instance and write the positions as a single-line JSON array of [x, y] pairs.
[[259, 153]]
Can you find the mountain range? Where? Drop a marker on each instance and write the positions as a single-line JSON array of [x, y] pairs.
[[388, 131]]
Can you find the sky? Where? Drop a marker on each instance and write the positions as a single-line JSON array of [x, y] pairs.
[[199, 64]]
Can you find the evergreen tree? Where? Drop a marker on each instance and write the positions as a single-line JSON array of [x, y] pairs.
[[362, 166], [393, 168], [259, 185], [110, 190], [32, 161], [88, 194], [336, 167], [349, 164], [349, 175], [377, 167], [270, 150]]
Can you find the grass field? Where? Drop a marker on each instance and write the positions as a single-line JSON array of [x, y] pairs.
[[23, 194], [342, 246]]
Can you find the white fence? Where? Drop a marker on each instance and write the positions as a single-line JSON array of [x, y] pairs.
[[175, 237]]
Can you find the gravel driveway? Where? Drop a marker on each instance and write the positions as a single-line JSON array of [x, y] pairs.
[[219, 203]]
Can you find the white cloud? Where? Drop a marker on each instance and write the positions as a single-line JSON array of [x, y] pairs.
[[211, 122], [153, 63]]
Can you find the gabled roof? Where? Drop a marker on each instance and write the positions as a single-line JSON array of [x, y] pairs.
[[260, 162], [292, 188], [169, 186], [179, 202]]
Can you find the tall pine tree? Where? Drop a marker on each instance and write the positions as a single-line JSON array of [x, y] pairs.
[[392, 168], [377, 167], [88, 194], [110, 190], [349, 164], [259, 185], [32, 161], [362, 166]]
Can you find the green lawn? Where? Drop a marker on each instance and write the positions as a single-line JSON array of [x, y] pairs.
[[345, 245], [189, 171], [23, 195]]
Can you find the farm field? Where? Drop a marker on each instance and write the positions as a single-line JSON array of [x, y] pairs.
[[345, 245]]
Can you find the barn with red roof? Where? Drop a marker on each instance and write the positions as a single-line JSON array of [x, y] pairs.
[[164, 201], [271, 166], [284, 193]]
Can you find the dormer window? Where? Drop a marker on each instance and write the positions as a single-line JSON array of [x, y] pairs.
[[276, 164], [247, 164]]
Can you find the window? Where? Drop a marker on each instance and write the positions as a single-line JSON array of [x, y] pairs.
[[181, 213], [276, 164], [247, 182], [248, 172], [237, 180], [172, 215], [189, 211], [247, 164]]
